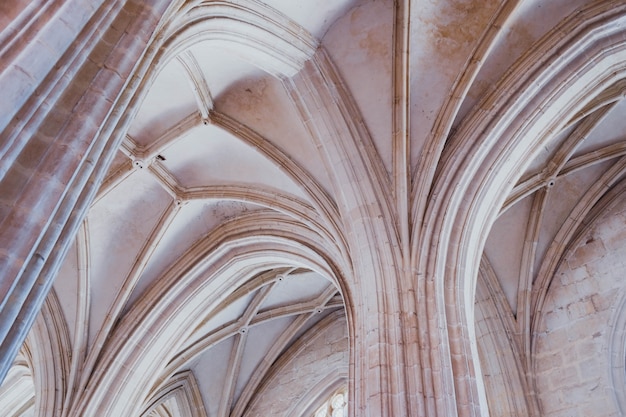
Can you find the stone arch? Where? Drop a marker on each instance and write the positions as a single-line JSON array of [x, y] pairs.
[[332, 403], [582, 320], [486, 156], [261, 31], [222, 262], [17, 393], [39, 374], [320, 393], [497, 348], [307, 397], [49, 345], [183, 388], [113, 73]]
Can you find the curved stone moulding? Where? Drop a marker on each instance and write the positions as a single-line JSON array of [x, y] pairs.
[[538, 96]]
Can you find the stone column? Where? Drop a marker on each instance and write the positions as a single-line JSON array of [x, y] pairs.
[[380, 302], [58, 136]]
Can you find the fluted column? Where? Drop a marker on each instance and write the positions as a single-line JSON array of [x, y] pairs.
[[58, 138], [379, 299]]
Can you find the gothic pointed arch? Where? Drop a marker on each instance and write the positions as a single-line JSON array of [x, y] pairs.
[[215, 267], [538, 97], [181, 390]]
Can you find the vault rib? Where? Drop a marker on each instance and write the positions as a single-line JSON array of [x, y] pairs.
[[198, 83], [266, 364], [201, 344], [557, 166], [83, 306], [130, 282], [524, 314], [321, 200], [591, 158], [566, 235], [234, 365], [183, 387]]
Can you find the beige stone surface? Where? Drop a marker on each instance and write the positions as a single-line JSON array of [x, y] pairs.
[[238, 208]]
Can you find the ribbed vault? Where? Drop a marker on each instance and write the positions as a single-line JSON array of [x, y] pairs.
[[207, 203]]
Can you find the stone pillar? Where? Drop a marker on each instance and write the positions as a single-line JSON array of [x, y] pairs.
[[380, 302], [58, 135]]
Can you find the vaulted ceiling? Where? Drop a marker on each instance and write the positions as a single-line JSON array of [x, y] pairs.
[[218, 145]]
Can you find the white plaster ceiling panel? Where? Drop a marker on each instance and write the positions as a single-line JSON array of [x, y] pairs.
[[296, 288], [611, 130], [544, 156], [256, 102], [255, 336], [314, 16], [66, 287], [209, 155], [119, 225], [504, 247], [261, 338], [230, 314], [443, 36], [193, 222], [211, 370], [169, 100], [562, 198], [222, 68], [530, 21], [360, 44]]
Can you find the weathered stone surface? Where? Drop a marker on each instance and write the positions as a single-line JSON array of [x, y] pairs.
[[267, 202]]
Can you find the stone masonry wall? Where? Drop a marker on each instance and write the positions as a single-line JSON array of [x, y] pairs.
[[316, 356], [572, 342]]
